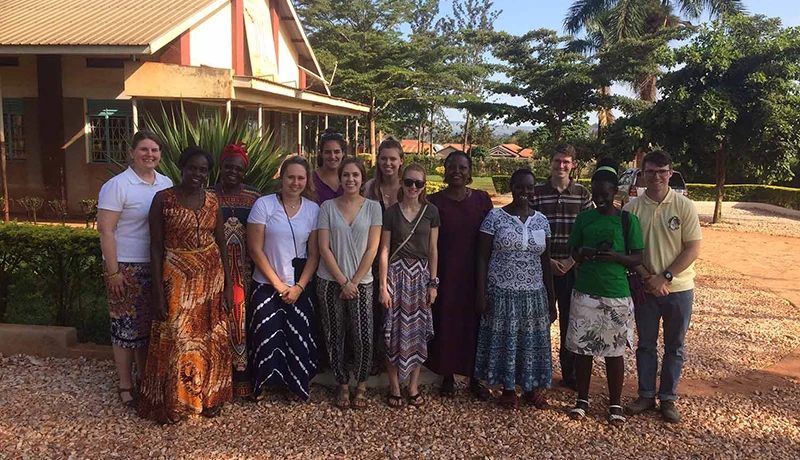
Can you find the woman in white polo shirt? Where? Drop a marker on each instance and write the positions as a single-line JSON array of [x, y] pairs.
[[122, 210], [282, 241]]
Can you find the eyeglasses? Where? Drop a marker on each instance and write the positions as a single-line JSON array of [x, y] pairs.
[[659, 172], [418, 183]]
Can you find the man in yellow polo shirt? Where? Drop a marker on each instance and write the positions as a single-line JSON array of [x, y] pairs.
[[671, 233]]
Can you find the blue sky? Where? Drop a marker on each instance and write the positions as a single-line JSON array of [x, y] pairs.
[[520, 16]]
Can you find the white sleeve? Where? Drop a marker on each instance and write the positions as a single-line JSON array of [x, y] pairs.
[[315, 215], [258, 215], [112, 196]]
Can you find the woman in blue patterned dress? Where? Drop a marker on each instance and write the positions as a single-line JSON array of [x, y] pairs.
[[515, 296]]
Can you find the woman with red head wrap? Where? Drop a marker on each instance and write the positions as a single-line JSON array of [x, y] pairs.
[[236, 200]]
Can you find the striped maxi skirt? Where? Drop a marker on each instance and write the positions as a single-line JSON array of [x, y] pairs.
[[283, 352], [408, 325]]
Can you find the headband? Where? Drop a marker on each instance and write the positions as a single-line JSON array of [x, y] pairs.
[[606, 168], [235, 150]]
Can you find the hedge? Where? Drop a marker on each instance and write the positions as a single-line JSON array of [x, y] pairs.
[[785, 197], [52, 275], [480, 168]]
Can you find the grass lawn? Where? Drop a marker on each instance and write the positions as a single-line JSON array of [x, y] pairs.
[[480, 183]]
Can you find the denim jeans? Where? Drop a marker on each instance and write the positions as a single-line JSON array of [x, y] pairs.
[[562, 285], [676, 311]]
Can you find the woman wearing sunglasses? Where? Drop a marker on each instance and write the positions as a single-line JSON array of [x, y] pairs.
[[408, 283]]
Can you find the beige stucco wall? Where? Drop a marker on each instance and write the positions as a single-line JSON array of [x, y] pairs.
[[210, 42], [287, 61], [90, 83], [20, 81]]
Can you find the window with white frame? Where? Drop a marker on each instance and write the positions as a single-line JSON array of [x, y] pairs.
[[14, 128], [111, 130]]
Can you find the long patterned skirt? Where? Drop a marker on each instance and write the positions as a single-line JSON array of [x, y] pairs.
[[408, 325], [283, 352], [241, 275], [132, 314], [189, 359], [514, 340]]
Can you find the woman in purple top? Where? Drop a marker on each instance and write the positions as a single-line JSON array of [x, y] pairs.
[[455, 315], [326, 178]]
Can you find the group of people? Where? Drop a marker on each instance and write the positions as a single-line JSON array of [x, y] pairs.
[[218, 292]]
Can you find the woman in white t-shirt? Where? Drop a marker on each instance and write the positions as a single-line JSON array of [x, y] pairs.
[[122, 210], [282, 241]]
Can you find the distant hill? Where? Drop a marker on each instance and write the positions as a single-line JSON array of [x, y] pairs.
[[498, 129]]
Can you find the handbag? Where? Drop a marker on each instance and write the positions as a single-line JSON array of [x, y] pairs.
[[413, 229], [635, 280], [298, 263]]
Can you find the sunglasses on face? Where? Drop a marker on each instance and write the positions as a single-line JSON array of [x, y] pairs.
[[418, 183]]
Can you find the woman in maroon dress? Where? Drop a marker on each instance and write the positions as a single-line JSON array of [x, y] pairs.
[[455, 315]]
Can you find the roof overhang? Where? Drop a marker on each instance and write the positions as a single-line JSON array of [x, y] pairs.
[[155, 80], [86, 50]]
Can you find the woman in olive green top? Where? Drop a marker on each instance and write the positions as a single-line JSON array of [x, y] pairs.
[[601, 312]]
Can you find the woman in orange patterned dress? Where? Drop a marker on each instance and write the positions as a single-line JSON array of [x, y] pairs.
[[188, 368]]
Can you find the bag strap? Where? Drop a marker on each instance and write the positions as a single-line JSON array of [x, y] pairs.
[[419, 219], [626, 228], [291, 227]]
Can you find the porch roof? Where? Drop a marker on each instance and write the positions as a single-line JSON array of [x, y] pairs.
[[154, 80]]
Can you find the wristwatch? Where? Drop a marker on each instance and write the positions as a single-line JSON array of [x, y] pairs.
[[434, 283], [668, 275]]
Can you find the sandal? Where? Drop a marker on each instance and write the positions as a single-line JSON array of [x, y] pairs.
[[479, 390], [211, 412], [394, 401], [536, 399], [448, 389], [509, 399], [343, 400], [579, 411], [616, 419], [360, 399], [131, 402], [414, 400]]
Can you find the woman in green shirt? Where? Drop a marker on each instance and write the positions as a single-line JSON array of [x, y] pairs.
[[601, 312]]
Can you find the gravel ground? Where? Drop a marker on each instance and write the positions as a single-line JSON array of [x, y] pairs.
[[62, 408], [751, 217]]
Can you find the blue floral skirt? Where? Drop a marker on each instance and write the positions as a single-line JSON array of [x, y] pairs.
[[514, 340]]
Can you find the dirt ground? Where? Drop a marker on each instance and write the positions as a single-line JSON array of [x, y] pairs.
[[739, 399]]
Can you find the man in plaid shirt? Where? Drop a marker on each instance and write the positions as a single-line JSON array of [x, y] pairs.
[[560, 199]]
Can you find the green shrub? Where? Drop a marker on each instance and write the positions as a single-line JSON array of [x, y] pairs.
[[486, 167], [785, 197], [52, 275], [502, 184]]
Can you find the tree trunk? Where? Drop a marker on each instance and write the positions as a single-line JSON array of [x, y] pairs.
[[722, 166], [419, 137], [431, 127], [646, 87], [372, 151], [466, 133], [604, 115]]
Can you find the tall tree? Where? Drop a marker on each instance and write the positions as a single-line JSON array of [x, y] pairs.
[[362, 41], [467, 30], [557, 83], [626, 19], [735, 100]]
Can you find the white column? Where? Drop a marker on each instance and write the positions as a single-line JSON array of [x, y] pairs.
[[135, 107], [326, 122], [3, 157], [260, 119], [228, 109], [347, 132], [355, 144], [300, 132]]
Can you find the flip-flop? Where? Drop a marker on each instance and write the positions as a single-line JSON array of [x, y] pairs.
[[414, 400], [360, 399], [390, 398], [131, 402]]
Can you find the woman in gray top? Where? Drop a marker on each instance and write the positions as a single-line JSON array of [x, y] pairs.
[[349, 230]]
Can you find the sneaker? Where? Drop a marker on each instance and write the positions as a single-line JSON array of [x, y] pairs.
[[669, 412], [640, 405]]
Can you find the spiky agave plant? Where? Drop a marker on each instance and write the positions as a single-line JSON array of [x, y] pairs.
[[212, 134]]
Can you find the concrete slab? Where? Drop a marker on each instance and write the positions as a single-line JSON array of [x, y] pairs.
[[36, 340]]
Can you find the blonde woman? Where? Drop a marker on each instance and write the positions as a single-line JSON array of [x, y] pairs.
[[408, 283], [122, 210]]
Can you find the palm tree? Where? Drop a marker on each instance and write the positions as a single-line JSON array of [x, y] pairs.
[[616, 20]]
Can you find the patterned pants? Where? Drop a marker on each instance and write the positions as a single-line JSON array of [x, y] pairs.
[[340, 317]]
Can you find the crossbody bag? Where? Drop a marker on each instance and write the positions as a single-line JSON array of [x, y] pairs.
[[413, 229]]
